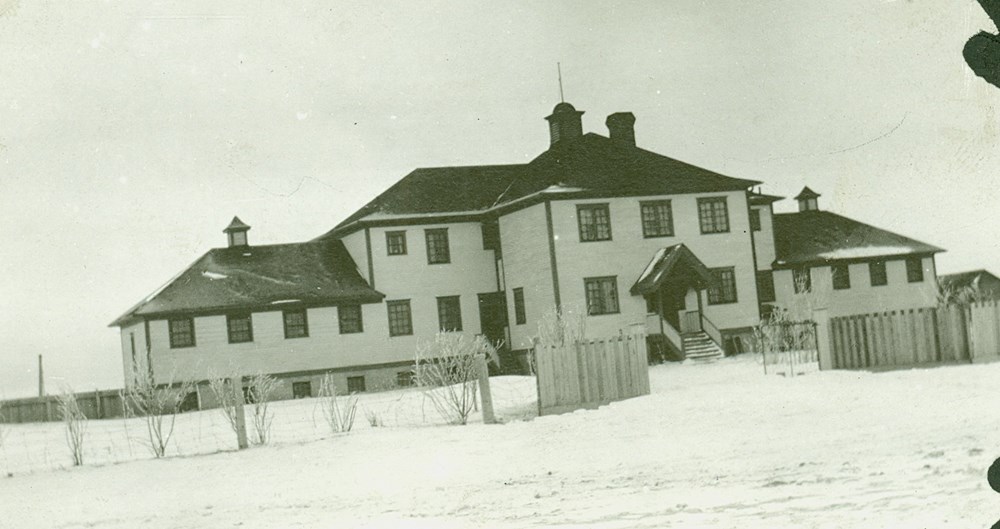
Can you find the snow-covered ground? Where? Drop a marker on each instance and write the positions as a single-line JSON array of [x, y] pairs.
[[715, 445]]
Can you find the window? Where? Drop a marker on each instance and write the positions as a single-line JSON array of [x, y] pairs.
[[355, 385], [876, 271], [404, 379], [301, 390], [449, 313], [189, 403], [240, 327], [724, 290], [713, 215], [296, 325], [519, 316], [249, 395], [914, 270], [491, 236], [349, 317], [437, 246], [765, 285], [395, 242], [602, 295], [595, 222], [755, 219], [181, 333], [802, 280], [841, 276], [400, 323], [657, 219]]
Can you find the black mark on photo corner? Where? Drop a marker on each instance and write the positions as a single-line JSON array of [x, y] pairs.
[[982, 51]]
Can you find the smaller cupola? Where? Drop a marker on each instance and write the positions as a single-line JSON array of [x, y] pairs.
[[565, 123], [808, 200], [237, 233]]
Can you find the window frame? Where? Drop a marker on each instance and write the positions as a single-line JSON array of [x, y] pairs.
[[404, 379], [173, 334], [884, 274], [393, 329], [304, 325], [435, 256], [444, 305], [231, 318], [661, 230], [768, 283], [355, 379], [341, 320], [910, 269], [400, 238], [800, 271], [298, 384], [702, 217], [520, 316], [605, 306], [846, 283], [715, 295], [584, 229]]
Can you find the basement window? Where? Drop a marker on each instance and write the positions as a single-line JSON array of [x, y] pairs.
[[355, 385], [301, 390]]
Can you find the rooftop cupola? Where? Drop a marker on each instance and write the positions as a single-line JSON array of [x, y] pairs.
[[621, 128], [808, 200], [237, 233], [565, 123]]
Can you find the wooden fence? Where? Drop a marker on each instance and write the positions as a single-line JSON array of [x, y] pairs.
[[95, 405], [587, 374], [921, 336]]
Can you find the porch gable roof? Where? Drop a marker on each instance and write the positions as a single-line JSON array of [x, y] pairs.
[[665, 262]]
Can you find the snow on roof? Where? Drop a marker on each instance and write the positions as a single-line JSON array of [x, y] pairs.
[[866, 251], [214, 275], [652, 263], [281, 301]]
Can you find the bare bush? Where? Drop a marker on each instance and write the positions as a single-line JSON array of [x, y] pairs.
[[338, 411], [374, 419], [225, 396], [561, 326], [261, 389], [75, 422], [158, 406], [960, 295], [448, 370]]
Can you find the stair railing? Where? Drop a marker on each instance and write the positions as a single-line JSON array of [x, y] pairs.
[[711, 330]]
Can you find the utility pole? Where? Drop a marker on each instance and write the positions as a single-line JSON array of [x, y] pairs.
[[41, 378]]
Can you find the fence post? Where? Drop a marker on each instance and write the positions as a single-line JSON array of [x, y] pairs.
[[236, 385], [822, 337], [484, 391]]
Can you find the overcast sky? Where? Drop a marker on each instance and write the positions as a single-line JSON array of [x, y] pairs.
[[132, 131]]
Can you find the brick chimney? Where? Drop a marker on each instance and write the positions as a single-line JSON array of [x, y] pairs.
[[621, 128], [565, 123]]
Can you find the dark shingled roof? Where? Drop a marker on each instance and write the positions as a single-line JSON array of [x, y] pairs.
[[255, 277], [982, 279], [819, 236], [761, 198], [665, 263], [592, 163]]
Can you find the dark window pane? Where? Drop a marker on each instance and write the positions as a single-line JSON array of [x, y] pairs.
[[594, 221], [400, 323], [841, 276], [519, 315], [296, 325], [713, 215], [877, 274], [724, 290], [301, 390], [240, 327], [914, 270], [802, 279], [657, 219], [755, 219], [765, 285], [355, 385], [181, 332], [449, 313], [395, 242], [349, 317], [602, 295], [437, 246], [404, 379]]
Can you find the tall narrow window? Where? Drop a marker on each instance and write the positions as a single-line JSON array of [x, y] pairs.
[[400, 322], [724, 289], [713, 215], [449, 313], [657, 219], [594, 221], [914, 270], [296, 324], [240, 328], [877, 273], [395, 242], [841, 276], [755, 219], [520, 318], [491, 236], [181, 332], [765, 285], [349, 319], [802, 279], [602, 295], [437, 246]]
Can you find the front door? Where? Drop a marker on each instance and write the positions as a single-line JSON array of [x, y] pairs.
[[691, 322], [493, 316]]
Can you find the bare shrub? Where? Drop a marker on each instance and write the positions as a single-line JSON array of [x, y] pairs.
[[261, 389], [224, 394], [75, 422], [158, 406], [560, 326], [374, 419], [448, 370], [960, 295], [338, 411]]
